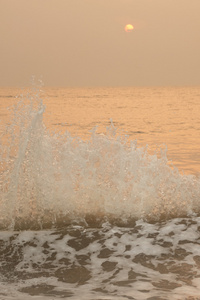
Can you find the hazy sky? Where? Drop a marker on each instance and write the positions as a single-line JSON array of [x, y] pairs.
[[83, 42]]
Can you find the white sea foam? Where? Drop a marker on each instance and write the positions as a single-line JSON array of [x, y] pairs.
[[104, 263]]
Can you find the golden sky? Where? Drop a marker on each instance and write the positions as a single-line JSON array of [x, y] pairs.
[[84, 42]]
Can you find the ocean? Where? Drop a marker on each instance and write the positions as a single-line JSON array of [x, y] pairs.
[[100, 193]]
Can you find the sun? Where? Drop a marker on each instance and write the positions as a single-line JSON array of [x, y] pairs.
[[129, 28]]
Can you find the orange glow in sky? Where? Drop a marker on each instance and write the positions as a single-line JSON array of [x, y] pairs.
[[129, 28]]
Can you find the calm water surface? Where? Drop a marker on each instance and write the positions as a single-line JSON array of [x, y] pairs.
[[153, 116]]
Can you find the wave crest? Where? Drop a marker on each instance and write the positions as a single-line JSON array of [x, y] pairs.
[[50, 179]]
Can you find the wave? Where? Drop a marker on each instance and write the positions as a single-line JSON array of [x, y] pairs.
[[51, 179]]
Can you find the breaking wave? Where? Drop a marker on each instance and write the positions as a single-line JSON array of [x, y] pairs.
[[49, 179]]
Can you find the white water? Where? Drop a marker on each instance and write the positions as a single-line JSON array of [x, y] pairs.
[[94, 219], [150, 260], [50, 179]]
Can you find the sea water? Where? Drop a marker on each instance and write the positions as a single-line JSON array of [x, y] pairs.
[[100, 193]]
